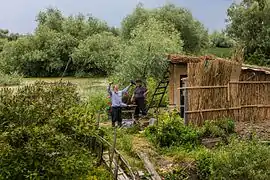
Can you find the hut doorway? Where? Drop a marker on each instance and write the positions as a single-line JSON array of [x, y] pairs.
[[182, 95]]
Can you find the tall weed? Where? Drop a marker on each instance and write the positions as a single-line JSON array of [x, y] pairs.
[[238, 160]]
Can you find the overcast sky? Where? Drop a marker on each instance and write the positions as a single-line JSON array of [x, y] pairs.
[[19, 15]]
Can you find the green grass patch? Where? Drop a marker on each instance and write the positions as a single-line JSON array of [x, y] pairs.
[[220, 52]]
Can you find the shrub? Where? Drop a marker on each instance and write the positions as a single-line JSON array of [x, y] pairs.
[[10, 79], [40, 133], [173, 132], [238, 160], [218, 128]]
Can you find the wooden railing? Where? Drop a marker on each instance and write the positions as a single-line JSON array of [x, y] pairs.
[[107, 153]]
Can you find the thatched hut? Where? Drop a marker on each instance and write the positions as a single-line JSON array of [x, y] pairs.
[[210, 88]]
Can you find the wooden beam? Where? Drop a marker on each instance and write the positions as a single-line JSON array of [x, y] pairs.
[[149, 166], [250, 82], [203, 87], [233, 108]]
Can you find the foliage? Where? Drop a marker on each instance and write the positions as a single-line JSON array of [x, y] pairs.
[[83, 45], [97, 101], [151, 86], [238, 160], [48, 50], [5, 34], [2, 43], [218, 128], [40, 132], [10, 79], [249, 24], [97, 54], [144, 55], [172, 132], [176, 174], [220, 52], [191, 31], [221, 40]]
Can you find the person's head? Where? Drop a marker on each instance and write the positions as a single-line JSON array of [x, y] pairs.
[[116, 88], [138, 82]]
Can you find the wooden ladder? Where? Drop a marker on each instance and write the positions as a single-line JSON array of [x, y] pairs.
[[159, 93]]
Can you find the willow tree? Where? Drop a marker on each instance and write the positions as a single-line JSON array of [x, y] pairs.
[[144, 55]]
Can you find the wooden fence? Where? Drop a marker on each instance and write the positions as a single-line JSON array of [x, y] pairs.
[[247, 101], [107, 153]]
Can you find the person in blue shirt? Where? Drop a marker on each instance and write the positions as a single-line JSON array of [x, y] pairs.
[[117, 104]]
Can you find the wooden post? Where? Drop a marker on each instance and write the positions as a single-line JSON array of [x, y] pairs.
[[185, 103], [113, 148], [116, 167]]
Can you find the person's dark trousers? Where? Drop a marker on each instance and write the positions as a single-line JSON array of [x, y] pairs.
[[117, 116], [140, 102]]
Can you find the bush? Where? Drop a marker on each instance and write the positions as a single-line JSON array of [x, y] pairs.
[[218, 128], [172, 132], [221, 40], [238, 160], [10, 79], [41, 126]]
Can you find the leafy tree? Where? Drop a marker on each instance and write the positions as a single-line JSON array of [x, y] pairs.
[[249, 23], [144, 55], [43, 54], [52, 18], [98, 54], [82, 27], [191, 31], [4, 34], [220, 39], [2, 43]]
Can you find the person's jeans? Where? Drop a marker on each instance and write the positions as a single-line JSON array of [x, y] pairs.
[[117, 116]]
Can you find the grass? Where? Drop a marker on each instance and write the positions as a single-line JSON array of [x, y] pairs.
[[220, 52], [86, 86]]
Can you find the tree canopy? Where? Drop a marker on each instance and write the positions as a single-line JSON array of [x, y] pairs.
[[249, 24], [144, 55], [191, 31]]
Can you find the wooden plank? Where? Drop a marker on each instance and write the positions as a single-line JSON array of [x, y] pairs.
[[232, 108], [149, 166], [212, 110], [202, 87], [121, 173], [250, 82]]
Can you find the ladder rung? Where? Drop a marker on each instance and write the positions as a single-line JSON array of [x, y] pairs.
[[159, 93], [162, 87]]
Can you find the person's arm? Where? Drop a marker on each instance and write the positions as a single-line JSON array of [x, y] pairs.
[[109, 89], [132, 98], [146, 92], [126, 89]]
